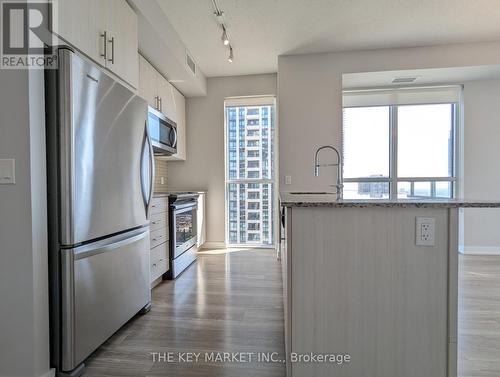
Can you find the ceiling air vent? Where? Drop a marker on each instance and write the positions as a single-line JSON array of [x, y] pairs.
[[190, 63], [404, 80]]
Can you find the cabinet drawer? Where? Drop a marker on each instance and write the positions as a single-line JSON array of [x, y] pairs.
[[158, 221], [158, 237], [159, 205], [159, 261]]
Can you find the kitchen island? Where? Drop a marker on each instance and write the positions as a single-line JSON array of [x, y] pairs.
[[357, 284]]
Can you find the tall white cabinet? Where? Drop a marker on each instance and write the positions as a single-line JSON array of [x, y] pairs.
[[164, 97], [104, 30]]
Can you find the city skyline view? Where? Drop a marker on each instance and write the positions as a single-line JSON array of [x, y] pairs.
[[250, 174]]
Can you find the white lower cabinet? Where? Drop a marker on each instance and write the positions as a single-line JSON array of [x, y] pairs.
[[159, 237], [159, 261]]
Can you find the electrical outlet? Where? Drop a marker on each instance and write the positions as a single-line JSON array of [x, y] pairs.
[[425, 229], [288, 180]]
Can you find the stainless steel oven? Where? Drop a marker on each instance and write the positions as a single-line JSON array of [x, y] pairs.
[[183, 237]]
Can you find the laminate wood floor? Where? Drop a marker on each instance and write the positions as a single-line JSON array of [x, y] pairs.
[[479, 316], [232, 302], [225, 302]]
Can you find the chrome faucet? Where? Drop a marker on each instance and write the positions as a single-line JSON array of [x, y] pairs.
[[339, 186]]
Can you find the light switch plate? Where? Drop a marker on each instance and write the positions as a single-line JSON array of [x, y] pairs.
[[288, 180], [425, 231], [7, 171]]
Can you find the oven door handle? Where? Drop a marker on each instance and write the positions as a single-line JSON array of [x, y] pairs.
[[178, 207]]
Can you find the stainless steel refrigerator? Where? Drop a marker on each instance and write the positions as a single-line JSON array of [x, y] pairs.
[[100, 181]]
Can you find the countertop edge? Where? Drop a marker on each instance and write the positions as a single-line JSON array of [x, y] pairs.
[[168, 193], [391, 204]]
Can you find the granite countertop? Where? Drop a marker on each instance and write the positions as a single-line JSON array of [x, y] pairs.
[[329, 200], [168, 193]]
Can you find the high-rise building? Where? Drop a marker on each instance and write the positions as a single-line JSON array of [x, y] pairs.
[[250, 164]]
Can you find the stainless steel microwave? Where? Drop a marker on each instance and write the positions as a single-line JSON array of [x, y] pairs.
[[163, 133]]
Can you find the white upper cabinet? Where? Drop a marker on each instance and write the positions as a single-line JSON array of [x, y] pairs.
[[148, 84], [104, 30], [123, 41], [82, 24], [166, 93], [164, 97], [179, 104]]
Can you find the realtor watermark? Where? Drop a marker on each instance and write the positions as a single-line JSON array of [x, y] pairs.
[[249, 357], [27, 40]]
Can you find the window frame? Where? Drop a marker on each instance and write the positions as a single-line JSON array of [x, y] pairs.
[[393, 179], [250, 101]]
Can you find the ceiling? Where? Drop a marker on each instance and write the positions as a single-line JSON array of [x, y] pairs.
[[260, 30], [432, 76]]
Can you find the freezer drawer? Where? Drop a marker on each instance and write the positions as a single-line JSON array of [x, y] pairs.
[[104, 285]]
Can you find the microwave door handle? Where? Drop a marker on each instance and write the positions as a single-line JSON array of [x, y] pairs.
[[174, 131]]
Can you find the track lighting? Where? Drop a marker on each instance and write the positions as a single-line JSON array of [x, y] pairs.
[[225, 39], [219, 16]]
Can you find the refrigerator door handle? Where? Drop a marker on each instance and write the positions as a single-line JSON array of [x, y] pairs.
[[116, 242], [151, 170], [147, 188]]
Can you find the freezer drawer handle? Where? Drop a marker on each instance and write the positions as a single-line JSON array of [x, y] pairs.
[[89, 251]]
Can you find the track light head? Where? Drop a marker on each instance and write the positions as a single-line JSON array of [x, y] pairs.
[[224, 38], [219, 16]]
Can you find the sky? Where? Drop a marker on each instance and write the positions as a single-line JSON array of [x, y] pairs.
[[423, 137]]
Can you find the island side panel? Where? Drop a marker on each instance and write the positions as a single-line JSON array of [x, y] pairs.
[[453, 237], [286, 267], [361, 286]]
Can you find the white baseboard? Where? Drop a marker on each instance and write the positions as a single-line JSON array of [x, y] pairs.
[[481, 250], [51, 373], [213, 245]]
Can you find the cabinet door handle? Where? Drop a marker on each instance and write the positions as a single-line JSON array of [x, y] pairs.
[[112, 41], [104, 37], [161, 104]]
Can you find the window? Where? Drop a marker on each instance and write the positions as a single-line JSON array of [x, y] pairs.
[[401, 151], [253, 133], [250, 201], [254, 195], [253, 205], [253, 216], [253, 174], [254, 226]]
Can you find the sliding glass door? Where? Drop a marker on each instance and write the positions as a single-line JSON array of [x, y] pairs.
[[250, 181]]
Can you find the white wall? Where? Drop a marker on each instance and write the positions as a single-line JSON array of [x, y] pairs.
[[482, 164], [24, 324], [204, 166], [310, 97]]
